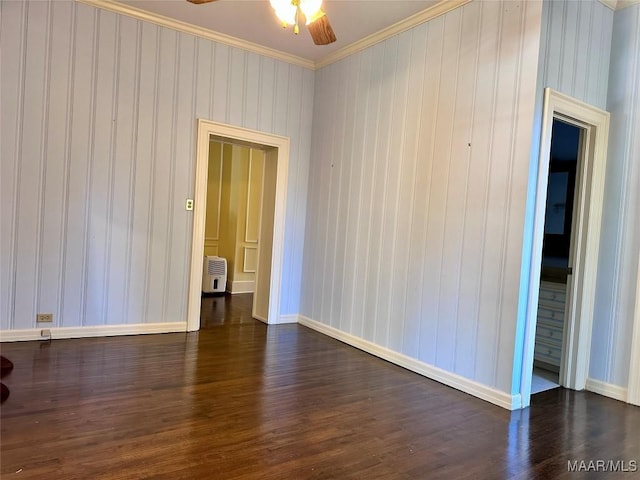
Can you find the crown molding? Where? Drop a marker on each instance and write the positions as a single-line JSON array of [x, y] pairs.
[[434, 11], [609, 3], [626, 3], [440, 8], [188, 28], [618, 4]]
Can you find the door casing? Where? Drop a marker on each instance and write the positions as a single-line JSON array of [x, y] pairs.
[[585, 242], [277, 150]]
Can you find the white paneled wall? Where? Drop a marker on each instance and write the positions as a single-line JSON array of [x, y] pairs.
[[417, 189], [575, 44], [591, 53], [617, 268], [98, 145]]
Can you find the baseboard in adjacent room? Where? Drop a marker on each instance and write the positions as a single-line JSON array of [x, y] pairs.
[[497, 397], [91, 331], [241, 286]]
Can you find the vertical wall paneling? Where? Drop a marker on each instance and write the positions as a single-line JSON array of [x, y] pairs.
[[446, 235], [29, 225], [327, 174], [417, 180], [591, 53], [221, 66], [382, 192], [483, 148], [416, 199], [267, 89], [620, 243], [574, 59], [47, 270], [524, 144], [308, 301], [400, 147], [99, 115], [356, 251], [301, 175], [251, 89], [575, 49], [366, 220], [523, 94], [493, 267], [462, 147], [341, 169], [140, 222], [63, 11], [237, 78], [433, 65], [99, 221], [281, 97], [292, 112], [76, 206], [367, 217], [203, 77], [11, 88], [168, 297], [354, 185], [122, 170]]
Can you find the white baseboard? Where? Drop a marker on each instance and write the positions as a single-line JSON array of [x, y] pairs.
[[92, 331], [262, 319], [282, 319], [607, 389], [497, 397], [241, 286], [293, 318]]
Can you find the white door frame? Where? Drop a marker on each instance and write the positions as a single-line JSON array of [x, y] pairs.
[[253, 138], [633, 387], [586, 239]]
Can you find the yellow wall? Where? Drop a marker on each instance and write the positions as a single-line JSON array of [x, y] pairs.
[[212, 225], [234, 196]]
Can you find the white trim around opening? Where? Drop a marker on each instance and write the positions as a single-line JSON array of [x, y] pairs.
[[633, 387], [577, 344], [280, 147]]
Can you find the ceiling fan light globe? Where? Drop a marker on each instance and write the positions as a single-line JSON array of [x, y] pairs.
[[318, 15], [310, 8], [285, 11]]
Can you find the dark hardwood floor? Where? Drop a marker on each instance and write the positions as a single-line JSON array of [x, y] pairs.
[[242, 400]]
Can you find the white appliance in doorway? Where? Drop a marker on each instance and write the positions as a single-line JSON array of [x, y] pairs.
[[214, 274]]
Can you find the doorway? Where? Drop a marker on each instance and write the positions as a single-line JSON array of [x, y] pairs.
[[556, 267], [266, 299], [583, 240], [235, 188]]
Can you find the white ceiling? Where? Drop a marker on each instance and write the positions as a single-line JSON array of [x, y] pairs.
[[254, 21]]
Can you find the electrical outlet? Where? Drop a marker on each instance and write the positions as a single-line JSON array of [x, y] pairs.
[[44, 318], [189, 204]]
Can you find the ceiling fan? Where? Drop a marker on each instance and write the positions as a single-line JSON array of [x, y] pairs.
[[290, 11]]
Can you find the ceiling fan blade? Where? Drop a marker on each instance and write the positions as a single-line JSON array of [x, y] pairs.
[[321, 31], [197, 2]]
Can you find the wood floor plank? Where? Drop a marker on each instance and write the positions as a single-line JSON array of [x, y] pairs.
[[240, 400]]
